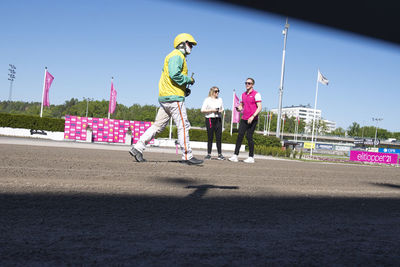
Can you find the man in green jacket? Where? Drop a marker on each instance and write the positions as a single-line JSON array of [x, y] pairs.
[[171, 96]]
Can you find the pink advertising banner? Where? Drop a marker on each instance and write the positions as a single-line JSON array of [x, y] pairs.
[[375, 157], [104, 130]]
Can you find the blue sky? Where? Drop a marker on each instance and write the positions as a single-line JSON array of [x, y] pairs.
[[84, 43]]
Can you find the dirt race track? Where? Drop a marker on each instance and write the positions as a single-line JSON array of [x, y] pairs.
[[71, 206]]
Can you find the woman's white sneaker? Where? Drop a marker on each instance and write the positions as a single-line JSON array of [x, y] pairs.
[[234, 158], [249, 160]]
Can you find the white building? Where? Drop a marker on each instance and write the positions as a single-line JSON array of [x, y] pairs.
[[331, 125], [306, 113]]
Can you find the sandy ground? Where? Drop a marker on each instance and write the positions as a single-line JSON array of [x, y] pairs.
[[78, 206]]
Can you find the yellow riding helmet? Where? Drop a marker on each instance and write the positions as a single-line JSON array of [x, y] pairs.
[[183, 37]]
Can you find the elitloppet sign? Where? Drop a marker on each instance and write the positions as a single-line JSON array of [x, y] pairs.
[[374, 157]]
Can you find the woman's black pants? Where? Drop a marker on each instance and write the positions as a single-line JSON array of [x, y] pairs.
[[249, 129], [214, 125]]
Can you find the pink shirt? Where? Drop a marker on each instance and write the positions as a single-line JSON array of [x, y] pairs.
[[249, 104]]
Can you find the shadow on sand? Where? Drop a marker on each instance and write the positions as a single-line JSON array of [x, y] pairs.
[[85, 229], [387, 185]]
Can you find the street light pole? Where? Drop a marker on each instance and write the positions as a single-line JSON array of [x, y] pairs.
[[87, 105], [362, 134], [278, 122], [376, 128]]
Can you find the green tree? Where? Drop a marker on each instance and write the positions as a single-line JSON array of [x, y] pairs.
[[369, 131], [338, 132], [322, 127], [354, 129], [195, 117], [396, 135]]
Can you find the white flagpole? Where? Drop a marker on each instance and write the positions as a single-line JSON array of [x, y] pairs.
[[233, 104], [44, 83], [109, 102], [313, 124], [269, 123]]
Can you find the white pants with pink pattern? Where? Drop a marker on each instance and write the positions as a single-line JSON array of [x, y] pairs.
[[176, 110]]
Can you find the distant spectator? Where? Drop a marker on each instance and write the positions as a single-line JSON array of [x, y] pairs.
[[213, 108], [250, 104]]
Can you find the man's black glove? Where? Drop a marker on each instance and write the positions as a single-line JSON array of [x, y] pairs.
[[188, 92]]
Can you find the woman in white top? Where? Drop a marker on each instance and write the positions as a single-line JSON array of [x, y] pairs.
[[213, 108]]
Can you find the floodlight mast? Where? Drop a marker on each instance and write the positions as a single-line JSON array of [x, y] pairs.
[[278, 120], [11, 78]]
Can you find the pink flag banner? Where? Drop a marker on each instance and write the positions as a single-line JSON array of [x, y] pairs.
[[104, 130], [113, 99], [235, 113], [47, 83]]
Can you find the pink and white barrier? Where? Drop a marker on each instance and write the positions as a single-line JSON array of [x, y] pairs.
[[374, 157], [104, 130]]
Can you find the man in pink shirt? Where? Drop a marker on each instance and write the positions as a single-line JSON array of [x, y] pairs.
[[251, 106]]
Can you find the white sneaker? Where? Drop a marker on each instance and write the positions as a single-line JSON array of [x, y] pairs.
[[249, 160], [234, 158]]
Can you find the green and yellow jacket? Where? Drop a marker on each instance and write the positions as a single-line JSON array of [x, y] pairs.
[[173, 78]]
